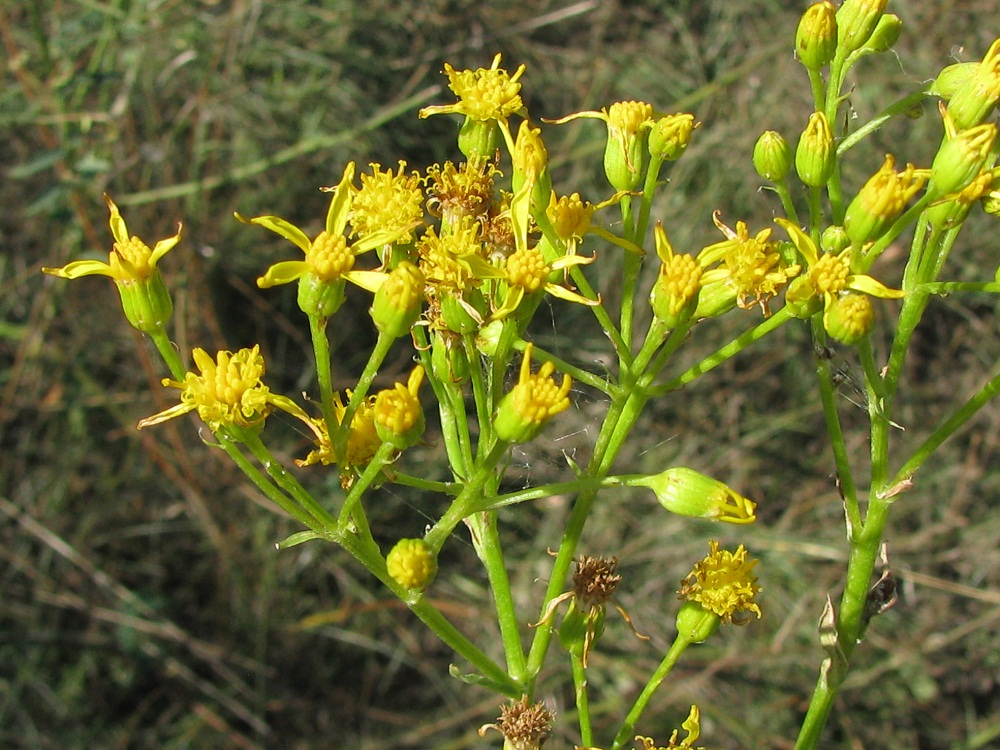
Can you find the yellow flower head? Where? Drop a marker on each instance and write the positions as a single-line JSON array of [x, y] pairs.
[[132, 265], [399, 419], [724, 584], [527, 272], [882, 200], [363, 441], [830, 276], [752, 266], [691, 725], [628, 129], [227, 392], [483, 94], [455, 193], [524, 725], [674, 296], [411, 564], [329, 259], [388, 202], [978, 94], [532, 402]]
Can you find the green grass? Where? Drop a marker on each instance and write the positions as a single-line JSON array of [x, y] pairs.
[[142, 603]]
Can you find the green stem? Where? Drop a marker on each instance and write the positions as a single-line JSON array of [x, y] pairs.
[[351, 508], [286, 481], [487, 542], [265, 485], [827, 393], [578, 374], [628, 726], [324, 374], [582, 701], [781, 188], [648, 192], [900, 107], [378, 355], [169, 353], [948, 428], [631, 264], [428, 485], [728, 351]]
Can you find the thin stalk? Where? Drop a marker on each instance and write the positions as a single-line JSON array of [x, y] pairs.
[[350, 509], [627, 729], [169, 353], [631, 264], [578, 374], [324, 374], [280, 476], [487, 542], [378, 355], [582, 701]]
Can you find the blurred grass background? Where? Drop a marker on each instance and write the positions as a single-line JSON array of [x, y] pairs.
[[142, 603]]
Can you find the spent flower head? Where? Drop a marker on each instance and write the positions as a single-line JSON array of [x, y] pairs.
[[227, 393], [458, 192], [132, 266], [524, 725], [687, 492]]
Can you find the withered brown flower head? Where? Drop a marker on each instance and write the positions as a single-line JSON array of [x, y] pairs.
[[524, 725], [595, 581]]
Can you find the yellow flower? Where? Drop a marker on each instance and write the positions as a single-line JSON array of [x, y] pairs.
[[487, 97], [132, 266], [571, 219], [691, 725], [751, 266], [363, 441], [527, 272], [532, 402], [227, 393], [399, 420], [674, 296], [831, 277], [329, 260], [388, 202], [411, 564], [881, 200], [628, 125], [723, 584]]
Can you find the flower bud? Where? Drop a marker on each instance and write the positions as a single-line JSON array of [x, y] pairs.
[[670, 136], [849, 318], [532, 402], [530, 160], [885, 35], [146, 302], [398, 301], [625, 152], [961, 157], [816, 37], [399, 419], [411, 564], [856, 20], [448, 361], [687, 492], [976, 97], [772, 156], [881, 201], [952, 78], [815, 156], [715, 298], [319, 298], [834, 240]]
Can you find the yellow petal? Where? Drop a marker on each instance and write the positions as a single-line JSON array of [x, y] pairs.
[[282, 273], [279, 226], [340, 203], [875, 288], [79, 268]]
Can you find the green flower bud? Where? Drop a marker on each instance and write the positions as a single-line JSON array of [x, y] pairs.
[[398, 301], [671, 135], [849, 318], [952, 78], [885, 35], [320, 298], [411, 564], [715, 299], [961, 157], [146, 303], [801, 298], [816, 37], [772, 156], [977, 96], [625, 151], [815, 156], [834, 240], [991, 202], [460, 315], [448, 361], [687, 492], [856, 20]]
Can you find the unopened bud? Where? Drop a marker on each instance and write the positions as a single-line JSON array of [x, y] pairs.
[[816, 38], [977, 96], [849, 317], [411, 564], [687, 492], [399, 300], [856, 20], [885, 35], [670, 136], [816, 154], [772, 156]]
